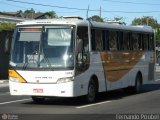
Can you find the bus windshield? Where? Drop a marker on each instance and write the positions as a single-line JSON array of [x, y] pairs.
[[39, 47]]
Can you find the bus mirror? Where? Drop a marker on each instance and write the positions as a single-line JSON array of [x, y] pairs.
[[79, 59]]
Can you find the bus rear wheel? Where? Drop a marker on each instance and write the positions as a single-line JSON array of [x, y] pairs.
[[137, 87], [138, 84], [38, 99]]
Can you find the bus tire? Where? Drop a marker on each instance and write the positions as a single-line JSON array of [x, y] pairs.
[[138, 83], [92, 91], [38, 99]]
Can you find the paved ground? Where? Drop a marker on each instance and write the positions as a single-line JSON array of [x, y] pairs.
[[111, 104], [3, 83]]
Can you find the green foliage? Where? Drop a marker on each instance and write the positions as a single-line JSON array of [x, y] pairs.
[[52, 14], [146, 20], [120, 19], [19, 11], [150, 21], [96, 18], [29, 11], [7, 26], [158, 36]]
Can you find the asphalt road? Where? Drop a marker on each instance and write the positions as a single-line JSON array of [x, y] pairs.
[[108, 105]]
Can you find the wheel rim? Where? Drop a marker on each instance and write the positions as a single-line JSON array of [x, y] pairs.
[[138, 85], [91, 93]]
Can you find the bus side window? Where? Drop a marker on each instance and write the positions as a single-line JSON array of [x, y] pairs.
[[120, 41], [112, 40], [140, 42], [151, 42], [99, 40], [135, 41], [82, 39], [106, 40], [126, 38], [145, 41]]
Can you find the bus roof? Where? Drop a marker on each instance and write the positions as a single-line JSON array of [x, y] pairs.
[[80, 22]]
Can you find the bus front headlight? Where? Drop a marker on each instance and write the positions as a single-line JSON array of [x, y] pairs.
[[65, 80], [14, 79]]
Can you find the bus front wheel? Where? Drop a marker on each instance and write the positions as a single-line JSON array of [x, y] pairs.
[[92, 91]]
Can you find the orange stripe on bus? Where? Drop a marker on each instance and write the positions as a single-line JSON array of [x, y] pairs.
[[13, 73], [117, 64]]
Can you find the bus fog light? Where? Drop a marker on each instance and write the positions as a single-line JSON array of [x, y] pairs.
[[13, 79], [64, 80]]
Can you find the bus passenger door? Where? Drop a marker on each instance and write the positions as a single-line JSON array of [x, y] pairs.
[[151, 68], [151, 58]]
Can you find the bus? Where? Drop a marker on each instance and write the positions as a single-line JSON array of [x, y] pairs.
[[75, 57]]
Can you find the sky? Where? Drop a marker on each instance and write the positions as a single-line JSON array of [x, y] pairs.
[[128, 9]]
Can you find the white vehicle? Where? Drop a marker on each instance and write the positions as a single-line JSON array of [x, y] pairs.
[[71, 57]]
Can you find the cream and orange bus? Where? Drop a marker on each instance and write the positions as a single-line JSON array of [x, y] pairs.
[[75, 57]]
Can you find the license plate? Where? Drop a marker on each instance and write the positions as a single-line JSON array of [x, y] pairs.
[[38, 90]]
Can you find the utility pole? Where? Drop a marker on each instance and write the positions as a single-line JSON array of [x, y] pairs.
[[147, 21], [100, 12], [87, 12]]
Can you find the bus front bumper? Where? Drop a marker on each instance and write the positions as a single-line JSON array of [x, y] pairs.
[[33, 89]]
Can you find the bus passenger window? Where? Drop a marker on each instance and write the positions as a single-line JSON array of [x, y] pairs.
[[145, 41], [120, 41], [99, 40], [134, 41], [140, 42], [126, 41], [151, 42], [112, 40], [82, 39]]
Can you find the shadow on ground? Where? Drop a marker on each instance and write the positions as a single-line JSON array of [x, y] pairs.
[[107, 96]]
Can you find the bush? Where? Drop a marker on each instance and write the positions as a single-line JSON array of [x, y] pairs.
[[7, 26]]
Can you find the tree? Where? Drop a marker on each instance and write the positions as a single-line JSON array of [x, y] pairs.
[[19, 11], [52, 14], [146, 20], [120, 19], [158, 37], [7, 26], [96, 18], [150, 21], [30, 11]]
